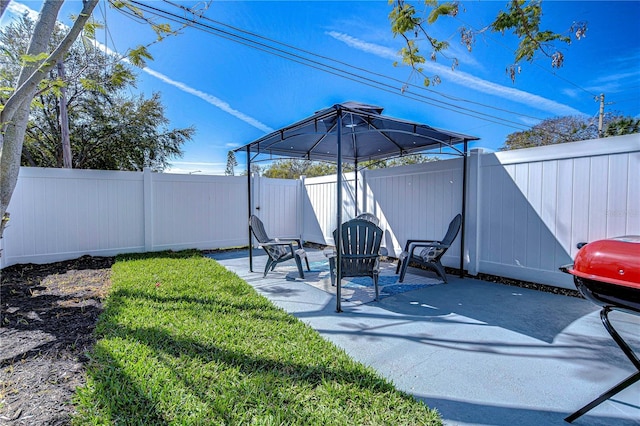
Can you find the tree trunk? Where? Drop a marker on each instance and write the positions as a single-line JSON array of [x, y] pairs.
[[67, 158]]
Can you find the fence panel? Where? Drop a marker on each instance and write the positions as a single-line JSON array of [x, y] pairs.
[[536, 204], [279, 206], [59, 214], [527, 209], [319, 206], [198, 211], [416, 202]]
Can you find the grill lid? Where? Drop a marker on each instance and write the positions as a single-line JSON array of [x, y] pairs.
[[613, 261]]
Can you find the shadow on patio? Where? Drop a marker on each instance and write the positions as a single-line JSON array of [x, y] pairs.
[[479, 352]]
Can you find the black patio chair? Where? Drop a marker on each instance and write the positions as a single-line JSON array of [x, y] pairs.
[[359, 252], [427, 253], [278, 249]]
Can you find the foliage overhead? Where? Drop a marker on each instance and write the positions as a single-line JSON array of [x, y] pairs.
[[108, 130], [521, 17], [32, 78]]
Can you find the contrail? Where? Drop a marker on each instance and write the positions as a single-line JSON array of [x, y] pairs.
[[20, 9]]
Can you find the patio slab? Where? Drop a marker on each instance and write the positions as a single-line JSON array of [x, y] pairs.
[[481, 353]]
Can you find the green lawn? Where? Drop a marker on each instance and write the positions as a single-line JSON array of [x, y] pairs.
[[184, 341]]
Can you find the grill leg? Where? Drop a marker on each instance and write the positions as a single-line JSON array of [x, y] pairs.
[[604, 316]]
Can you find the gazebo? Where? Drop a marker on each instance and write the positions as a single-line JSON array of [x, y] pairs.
[[352, 132]]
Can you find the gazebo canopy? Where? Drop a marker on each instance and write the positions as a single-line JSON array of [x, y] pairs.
[[354, 132], [366, 135]]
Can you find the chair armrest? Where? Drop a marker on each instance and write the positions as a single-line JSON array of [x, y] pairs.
[[298, 241], [330, 252], [423, 244], [277, 243], [406, 246], [383, 251]]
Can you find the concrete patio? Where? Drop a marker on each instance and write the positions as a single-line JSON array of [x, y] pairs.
[[480, 353]]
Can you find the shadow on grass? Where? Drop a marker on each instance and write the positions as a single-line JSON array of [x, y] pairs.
[[247, 360]]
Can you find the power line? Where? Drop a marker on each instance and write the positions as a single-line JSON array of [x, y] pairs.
[[403, 83], [325, 67]]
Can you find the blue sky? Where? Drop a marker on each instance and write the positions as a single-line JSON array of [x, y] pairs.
[[233, 93]]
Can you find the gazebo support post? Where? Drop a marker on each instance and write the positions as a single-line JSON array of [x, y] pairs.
[[464, 206], [338, 238], [356, 187], [249, 207]]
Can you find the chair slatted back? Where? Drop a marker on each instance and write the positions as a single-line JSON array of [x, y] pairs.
[[257, 228], [360, 246]]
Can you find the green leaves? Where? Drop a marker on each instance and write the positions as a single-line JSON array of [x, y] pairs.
[[403, 18], [138, 55], [521, 17], [444, 9], [29, 60]]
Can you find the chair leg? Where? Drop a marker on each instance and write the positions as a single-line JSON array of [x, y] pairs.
[[398, 266], [332, 270], [375, 284], [403, 269], [299, 265], [267, 266], [439, 269]]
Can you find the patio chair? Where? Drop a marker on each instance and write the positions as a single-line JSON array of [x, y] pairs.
[[360, 246], [278, 249], [427, 253]]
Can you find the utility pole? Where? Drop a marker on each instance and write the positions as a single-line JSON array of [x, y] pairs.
[[601, 116]]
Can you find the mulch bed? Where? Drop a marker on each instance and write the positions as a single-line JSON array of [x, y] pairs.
[[47, 317]]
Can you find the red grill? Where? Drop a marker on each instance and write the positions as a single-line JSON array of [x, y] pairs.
[[607, 272]]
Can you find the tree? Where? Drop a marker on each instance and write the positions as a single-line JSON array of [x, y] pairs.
[[294, 168], [231, 164], [569, 129], [104, 128], [522, 17], [35, 66], [255, 170], [622, 126], [14, 115]]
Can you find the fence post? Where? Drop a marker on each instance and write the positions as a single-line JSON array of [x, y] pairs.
[[147, 177], [300, 207], [474, 198]]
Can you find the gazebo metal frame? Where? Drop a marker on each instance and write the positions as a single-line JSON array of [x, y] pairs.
[[354, 132]]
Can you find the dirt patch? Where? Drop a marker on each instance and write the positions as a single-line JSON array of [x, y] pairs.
[[47, 317]]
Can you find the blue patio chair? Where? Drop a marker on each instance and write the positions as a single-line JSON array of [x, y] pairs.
[[427, 253], [359, 251], [278, 249]]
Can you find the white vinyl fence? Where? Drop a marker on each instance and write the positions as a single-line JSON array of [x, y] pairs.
[[526, 209], [59, 214]]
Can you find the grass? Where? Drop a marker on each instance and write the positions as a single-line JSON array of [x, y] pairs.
[[184, 341]]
